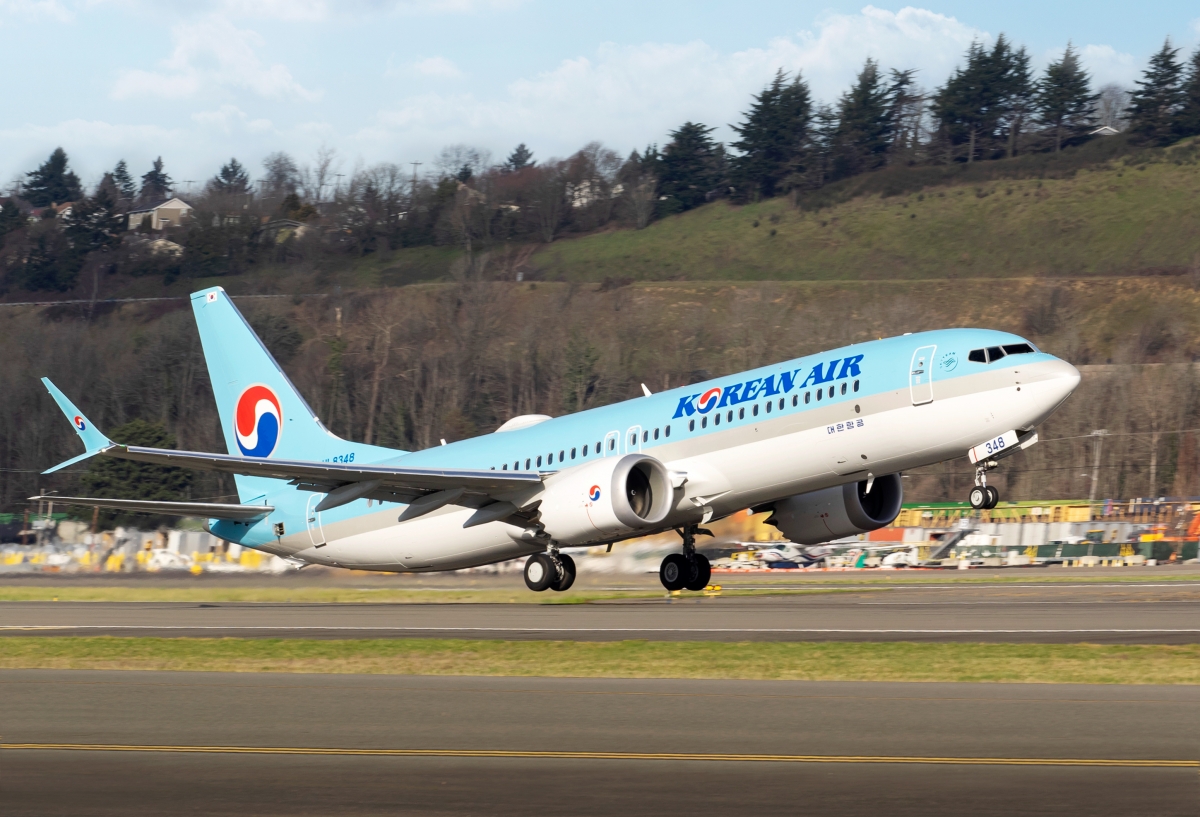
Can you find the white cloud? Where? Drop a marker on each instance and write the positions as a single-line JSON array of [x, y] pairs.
[[229, 118], [628, 95], [34, 9], [1107, 65], [211, 53], [437, 67]]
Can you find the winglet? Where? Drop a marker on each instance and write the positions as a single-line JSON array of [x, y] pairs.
[[93, 440]]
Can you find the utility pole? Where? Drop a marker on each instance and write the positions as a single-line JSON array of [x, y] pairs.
[[1099, 434], [414, 189]]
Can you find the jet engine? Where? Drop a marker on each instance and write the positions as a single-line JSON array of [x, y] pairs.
[[844, 510], [606, 498]]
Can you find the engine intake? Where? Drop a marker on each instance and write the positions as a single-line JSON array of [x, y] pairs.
[[843, 510], [607, 497]]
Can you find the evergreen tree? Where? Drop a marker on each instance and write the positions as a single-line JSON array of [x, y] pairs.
[[519, 159], [689, 167], [864, 130], [10, 219], [1066, 105], [822, 136], [95, 223], [969, 105], [52, 183], [774, 137], [156, 184], [124, 479], [1157, 101], [1187, 121], [231, 180], [1015, 92], [124, 183]]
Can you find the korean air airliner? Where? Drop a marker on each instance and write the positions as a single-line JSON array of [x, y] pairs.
[[818, 442]]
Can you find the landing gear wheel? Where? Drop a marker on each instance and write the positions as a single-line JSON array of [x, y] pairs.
[[568, 574], [699, 573], [540, 572], [673, 572], [979, 497], [993, 498]]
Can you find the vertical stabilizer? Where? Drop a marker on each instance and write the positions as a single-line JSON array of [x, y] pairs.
[[262, 413]]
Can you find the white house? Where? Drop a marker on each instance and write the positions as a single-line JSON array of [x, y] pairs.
[[168, 213]]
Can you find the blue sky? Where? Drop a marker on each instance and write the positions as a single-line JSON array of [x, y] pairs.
[[396, 80]]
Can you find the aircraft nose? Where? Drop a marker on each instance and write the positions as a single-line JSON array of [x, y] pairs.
[[1064, 377]]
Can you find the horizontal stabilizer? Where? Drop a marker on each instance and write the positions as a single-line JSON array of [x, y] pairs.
[[202, 510]]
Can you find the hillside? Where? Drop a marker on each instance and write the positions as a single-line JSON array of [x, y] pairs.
[[1129, 216]]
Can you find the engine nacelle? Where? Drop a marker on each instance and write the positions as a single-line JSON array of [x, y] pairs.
[[844, 510], [606, 498]]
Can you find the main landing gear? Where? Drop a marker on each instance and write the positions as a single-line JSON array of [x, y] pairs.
[[688, 570], [550, 570], [983, 496]]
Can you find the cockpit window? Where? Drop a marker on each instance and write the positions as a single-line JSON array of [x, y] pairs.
[[993, 353]]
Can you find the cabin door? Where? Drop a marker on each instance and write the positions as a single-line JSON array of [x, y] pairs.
[[313, 519], [920, 375]]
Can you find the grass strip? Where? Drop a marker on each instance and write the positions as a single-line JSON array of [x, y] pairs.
[[826, 661], [332, 595]]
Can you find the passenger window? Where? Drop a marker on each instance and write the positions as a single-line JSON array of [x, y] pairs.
[[517, 465], [781, 404], [717, 419], [597, 448], [754, 410], [856, 385], [550, 458], [527, 465], [539, 462], [704, 422], [843, 388], [1018, 349], [612, 443], [562, 456], [572, 453], [977, 356], [994, 353], [807, 397], [729, 416], [691, 425], [770, 403], [504, 467], [645, 436], [819, 392], [742, 413], [656, 433], [667, 431], [633, 439]]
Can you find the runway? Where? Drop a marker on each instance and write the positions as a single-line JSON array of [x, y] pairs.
[[1157, 613], [153, 743]]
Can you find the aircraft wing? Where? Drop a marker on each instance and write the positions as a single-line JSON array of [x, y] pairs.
[[204, 510], [331, 474]]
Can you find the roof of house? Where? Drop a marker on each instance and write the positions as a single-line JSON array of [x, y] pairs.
[[151, 207]]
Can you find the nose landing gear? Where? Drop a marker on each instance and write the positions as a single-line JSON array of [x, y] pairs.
[[688, 570], [983, 496]]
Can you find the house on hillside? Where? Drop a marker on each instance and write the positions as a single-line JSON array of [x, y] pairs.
[[1104, 130], [168, 213]]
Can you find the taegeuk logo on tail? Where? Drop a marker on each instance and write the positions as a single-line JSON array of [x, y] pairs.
[[257, 422]]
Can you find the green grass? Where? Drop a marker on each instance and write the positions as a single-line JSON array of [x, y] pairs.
[[1114, 218], [1029, 663]]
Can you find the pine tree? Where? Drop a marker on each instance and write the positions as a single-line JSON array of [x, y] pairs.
[[966, 106], [1066, 105], [865, 121], [774, 137], [123, 479], [689, 166], [53, 182], [1159, 97], [10, 218], [124, 183], [1187, 121], [1014, 91], [156, 184], [519, 159], [95, 223], [231, 180]]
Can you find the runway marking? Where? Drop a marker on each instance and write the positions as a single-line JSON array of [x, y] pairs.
[[552, 755], [1014, 603], [352, 628]]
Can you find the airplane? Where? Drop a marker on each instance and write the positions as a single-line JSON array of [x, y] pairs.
[[819, 441]]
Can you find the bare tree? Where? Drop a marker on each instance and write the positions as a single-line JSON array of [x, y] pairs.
[[316, 177], [1112, 107]]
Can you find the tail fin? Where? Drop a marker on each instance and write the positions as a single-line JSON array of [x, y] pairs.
[[93, 440], [262, 413]]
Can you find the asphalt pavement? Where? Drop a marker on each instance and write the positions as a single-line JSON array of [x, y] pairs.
[[1125, 613], [135, 743]]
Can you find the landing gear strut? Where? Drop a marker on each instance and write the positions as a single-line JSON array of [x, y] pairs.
[[688, 570], [549, 571], [984, 496]]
